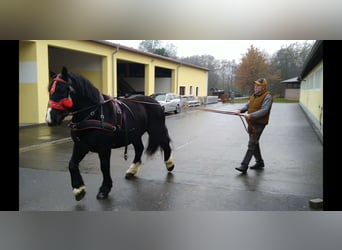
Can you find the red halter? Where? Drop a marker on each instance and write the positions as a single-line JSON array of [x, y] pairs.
[[63, 103]]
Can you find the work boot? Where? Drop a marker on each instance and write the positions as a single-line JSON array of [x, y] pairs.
[[258, 165], [242, 168]]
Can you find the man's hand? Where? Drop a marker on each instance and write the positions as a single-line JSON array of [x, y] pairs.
[[251, 128], [237, 112]]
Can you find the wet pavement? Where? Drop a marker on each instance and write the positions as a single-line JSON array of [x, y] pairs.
[[206, 148]]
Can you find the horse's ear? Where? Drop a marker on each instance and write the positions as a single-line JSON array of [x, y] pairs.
[[64, 73], [52, 74]]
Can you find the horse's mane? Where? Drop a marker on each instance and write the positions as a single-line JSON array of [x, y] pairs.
[[84, 87], [143, 98]]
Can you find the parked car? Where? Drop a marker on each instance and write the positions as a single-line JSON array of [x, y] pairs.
[[170, 102], [190, 101]]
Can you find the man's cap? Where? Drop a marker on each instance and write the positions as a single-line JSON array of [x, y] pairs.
[[261, 81]]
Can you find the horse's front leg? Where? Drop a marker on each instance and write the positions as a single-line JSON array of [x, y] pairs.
[[138, 150], [107, 182], [76, 179]]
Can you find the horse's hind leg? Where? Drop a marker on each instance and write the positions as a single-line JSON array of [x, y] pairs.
[[76, 178], [159, 137], [107, 182], [138, 150], [165, 145]]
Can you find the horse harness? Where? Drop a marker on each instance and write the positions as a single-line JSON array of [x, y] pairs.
[[117, 124], [88, 123]]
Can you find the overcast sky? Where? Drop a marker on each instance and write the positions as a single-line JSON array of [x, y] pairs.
[[220, 49]]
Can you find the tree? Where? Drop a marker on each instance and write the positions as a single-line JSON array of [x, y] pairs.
[[209, 62], [288, 62], [149, 45], [156, 47], [226, 73], [171, 50], [253, 65]]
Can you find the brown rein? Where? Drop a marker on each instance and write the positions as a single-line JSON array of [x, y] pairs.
[[249, 129]]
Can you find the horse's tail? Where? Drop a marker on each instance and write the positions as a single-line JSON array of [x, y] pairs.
[[156, 128], [158, 136]]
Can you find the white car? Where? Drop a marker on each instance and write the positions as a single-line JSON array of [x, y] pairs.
[[170, 102]]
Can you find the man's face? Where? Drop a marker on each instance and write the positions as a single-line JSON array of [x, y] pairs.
[[258, 88]]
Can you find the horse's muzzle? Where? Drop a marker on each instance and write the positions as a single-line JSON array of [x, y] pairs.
[[55, 117]]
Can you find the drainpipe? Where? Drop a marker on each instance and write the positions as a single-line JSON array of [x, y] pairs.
[[113, 70], [178, 66]]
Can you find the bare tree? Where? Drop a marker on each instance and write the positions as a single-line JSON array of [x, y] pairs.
[[157, 47], [149, 45], [209, 62], [288, 62]]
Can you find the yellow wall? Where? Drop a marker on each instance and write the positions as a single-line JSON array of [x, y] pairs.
[[28, 109], [33, 81], [34, 96], [43, 79], [193, 77], [34, 59], [312, 99], [28, 93], [94, 77]]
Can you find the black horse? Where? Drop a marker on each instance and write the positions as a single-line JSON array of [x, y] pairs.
[[100, 123]]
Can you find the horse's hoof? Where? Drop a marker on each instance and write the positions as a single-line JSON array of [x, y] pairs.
[[102, 196], [79, 196], [169, 164], [79, 193], [129, 175], [132, 170], [171, 168]]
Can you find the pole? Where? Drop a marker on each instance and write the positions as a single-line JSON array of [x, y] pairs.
[[220, 111]]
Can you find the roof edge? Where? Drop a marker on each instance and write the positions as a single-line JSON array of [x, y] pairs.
[[120, 46]]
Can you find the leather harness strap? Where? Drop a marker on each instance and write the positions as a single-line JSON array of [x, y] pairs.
[[118, 122]]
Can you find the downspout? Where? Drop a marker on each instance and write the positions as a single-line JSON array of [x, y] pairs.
[[177, 90], [113, 70]]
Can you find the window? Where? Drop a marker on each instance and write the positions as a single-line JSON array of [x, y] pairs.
[[182, 90]]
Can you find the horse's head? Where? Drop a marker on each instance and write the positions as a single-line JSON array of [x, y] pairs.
[[60, 101]]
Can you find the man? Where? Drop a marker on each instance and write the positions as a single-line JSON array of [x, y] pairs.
[[257, 117]]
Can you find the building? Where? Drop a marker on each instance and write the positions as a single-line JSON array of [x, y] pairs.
[[311, 87], [114, 69], [292, 88]]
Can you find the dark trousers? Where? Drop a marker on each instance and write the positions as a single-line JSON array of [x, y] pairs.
[[253, 148]]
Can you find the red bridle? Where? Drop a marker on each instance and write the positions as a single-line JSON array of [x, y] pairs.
[[62, 104]]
